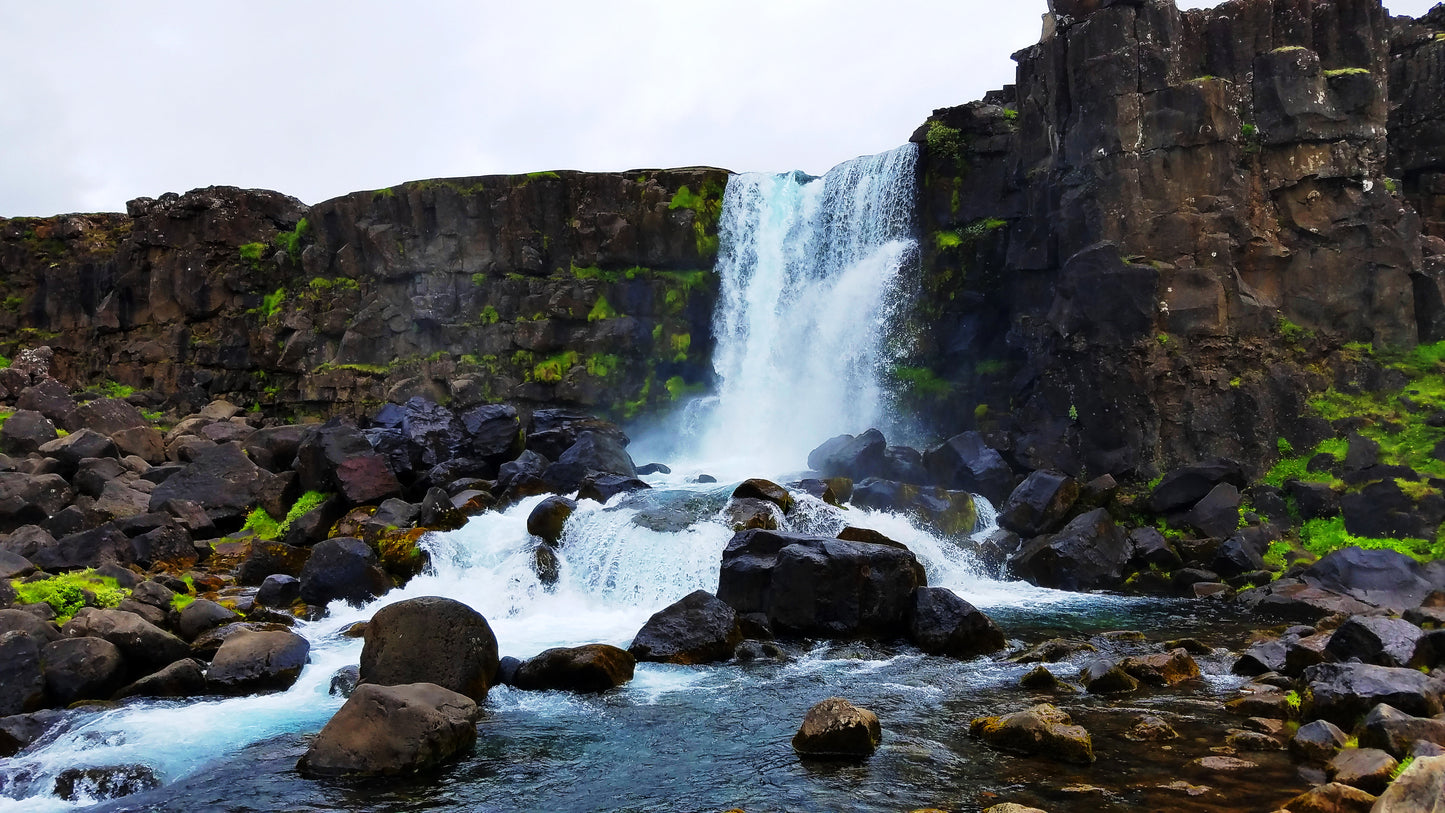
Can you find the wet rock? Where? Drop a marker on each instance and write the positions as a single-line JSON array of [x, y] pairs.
[[905, 465], [546, 565], [1090, 553], [1164, 669], [697, 629], [22, 682], [856, 457], [1104, 676], [18, 731], [144, 646], [601, 487], [1236, 556], [1344, 692], [1043, 731], [941, 623], [1053, 651], [1375, 639], [1151, 729], [101, 784], [1418, 789], [267, 557], [430, 640], [1040, 504], [1187, 485], [819, 586], [507, 670], [759, 489], [1334, 797], [184, 678], [251, 662], [202, 615], [81, 669], [1368, 769], [652, 468], [1292, 600], [1040, 679], [836, 728], [1010, 807], [207, 644], [1260, 658], [549, 518], [1149, 549], [1241, 740], [747, 514], [278, 590], [589, 668], [965, 462], [345, 569], [392, 730], [592, 452], [1397, 733], [1317, 741], [345, 681]]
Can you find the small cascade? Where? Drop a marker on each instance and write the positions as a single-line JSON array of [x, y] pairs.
[[812, 273]]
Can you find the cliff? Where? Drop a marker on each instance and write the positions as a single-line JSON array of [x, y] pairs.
[[556, 287], [1156, 245]]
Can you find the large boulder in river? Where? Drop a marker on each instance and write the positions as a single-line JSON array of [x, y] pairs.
[[857, 457], [250, 662], [493, 433], [819, 586], [392, 730], [593, 452], [342, 568], [1375, 639], [589, 668], [1039, 731], [941, 623], [1396, 733], [1090, 553], [947, 513], [835, 728], [549, 518], [699, 628], [430, 640], [965, 462], [1040, 504], [1418, 789], [81, 669], [1344, 692], [22, 682]]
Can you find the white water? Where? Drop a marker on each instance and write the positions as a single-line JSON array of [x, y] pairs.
[[812, 274]]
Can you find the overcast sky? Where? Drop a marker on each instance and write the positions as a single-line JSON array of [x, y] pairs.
[[101, 102]]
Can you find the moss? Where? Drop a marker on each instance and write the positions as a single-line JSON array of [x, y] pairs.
[[533, 176], [180, 601], [989, 367], [271, 303], [1287, 48], [1292, 699], [1347, 72], [602, 365], [252, 252], [66, 593], [290, 241], [261, 524], [680, 343], [4, 362], [947, 239], [553, 368], [1320, 536], [944, 141], [1402, 767], [1291, 332], [706, 206], [922, 382], [1010, 114], [383, 194], [630, 409], [114, 390], [489, 315], [322, 285], [677, 387], [601, 310]]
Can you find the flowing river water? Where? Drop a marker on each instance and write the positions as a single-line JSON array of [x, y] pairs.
[[812, 269]]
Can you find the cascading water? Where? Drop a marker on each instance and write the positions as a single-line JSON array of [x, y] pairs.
[[812, 272]]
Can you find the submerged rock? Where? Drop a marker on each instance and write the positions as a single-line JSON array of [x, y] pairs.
[[699, 628], [392, 730], [549, 518], [100, 784], [837, 728], [1042, 730]]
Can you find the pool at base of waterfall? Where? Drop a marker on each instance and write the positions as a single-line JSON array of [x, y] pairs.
[[692, 737]]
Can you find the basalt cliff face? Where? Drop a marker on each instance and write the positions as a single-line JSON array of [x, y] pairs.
[[575, 288], [1167, 235], [1153, 248]]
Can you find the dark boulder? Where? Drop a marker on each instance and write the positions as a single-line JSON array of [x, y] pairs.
[[599, 452], [838, 729], [1260, 658], [202, 615], [1090, 553], [48, 397], [819, 586], [1105, 676], [968, 463], [104, 783], [549, 518], [279, 591], [25, 432], [22, 681], [38, 628], [1375, 639], [602, 487], [323, 449], [184, 678], [392, 730], [1040, 504], [252, 662], [27, 499], [760, 489], [589, 668], [366, 478], [493, 433], [81, 669], [554, 430], [1039, 731], [857, 457], [274, 448], [698, 628], [1345, 692], [527, 465], [946, 513], [1314, 500], [342, 568], [1317, 742], [1395, 732], [1149, 549], [1367, 769], [941, 623], [78, 446], [1217, 513], [905, 464], [268, 557], [1185, 486], [144, 646], [18, 731], [430, 640], [1384, 578], [221, 479], [1383, 509]]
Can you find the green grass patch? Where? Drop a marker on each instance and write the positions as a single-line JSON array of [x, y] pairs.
[[114, 390], [602, 365], [323, 285], [947, 240], [943, 141], [706, 206], [252, 253], [271, 303], [922, 382], [1347, 72], [291, 241], [602, 309], [553, 368], [1402, 767], [489, 315], [65, 593], [677, 387], [680, 343], [264, 526], [1320, 536], [180, 601]]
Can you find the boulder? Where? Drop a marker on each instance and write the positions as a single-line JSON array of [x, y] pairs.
[[857, 457], [268, 557], [202, 615], [836, 728], [366, 478], [1380, 577], [598, 452], [1317, 741], [602, 487], [1368, 769], [759, 489], [1187, 485], [274, 448], [17, 731], [1344, 692], [554, 430], [1217, 513], [819, 586], [1053, 651], [941, 623], [1236, 556], [85, 549], [22, 680], [323, 449], [144, 646], [493, 433], [1090, 553], [947, 513], [1104, 676], [1150, 549], [905, 464], [342, 568], [745, 514], [549, 518], [41, 630], [392, 730], [78, 446], [184, 678], [25, 432], [279, 591], [81, 669], [1042, 730], [966, 462], [1335, 797], [252, 662], [1395, 732], [104, 783], [1420, 788], [698, 628], [48, 397], [94, 473], [1040, 504], [588, 668], [1375, 639], [1162, 669], [27, 499], [221, 480], [430, 640]]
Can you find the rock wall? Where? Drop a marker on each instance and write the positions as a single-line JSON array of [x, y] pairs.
[[1151, 248], [564, 288]]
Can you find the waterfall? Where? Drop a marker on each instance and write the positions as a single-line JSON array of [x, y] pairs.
[[812, 275]]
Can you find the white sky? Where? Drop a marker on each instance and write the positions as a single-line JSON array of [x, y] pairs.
[[104, 101]]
